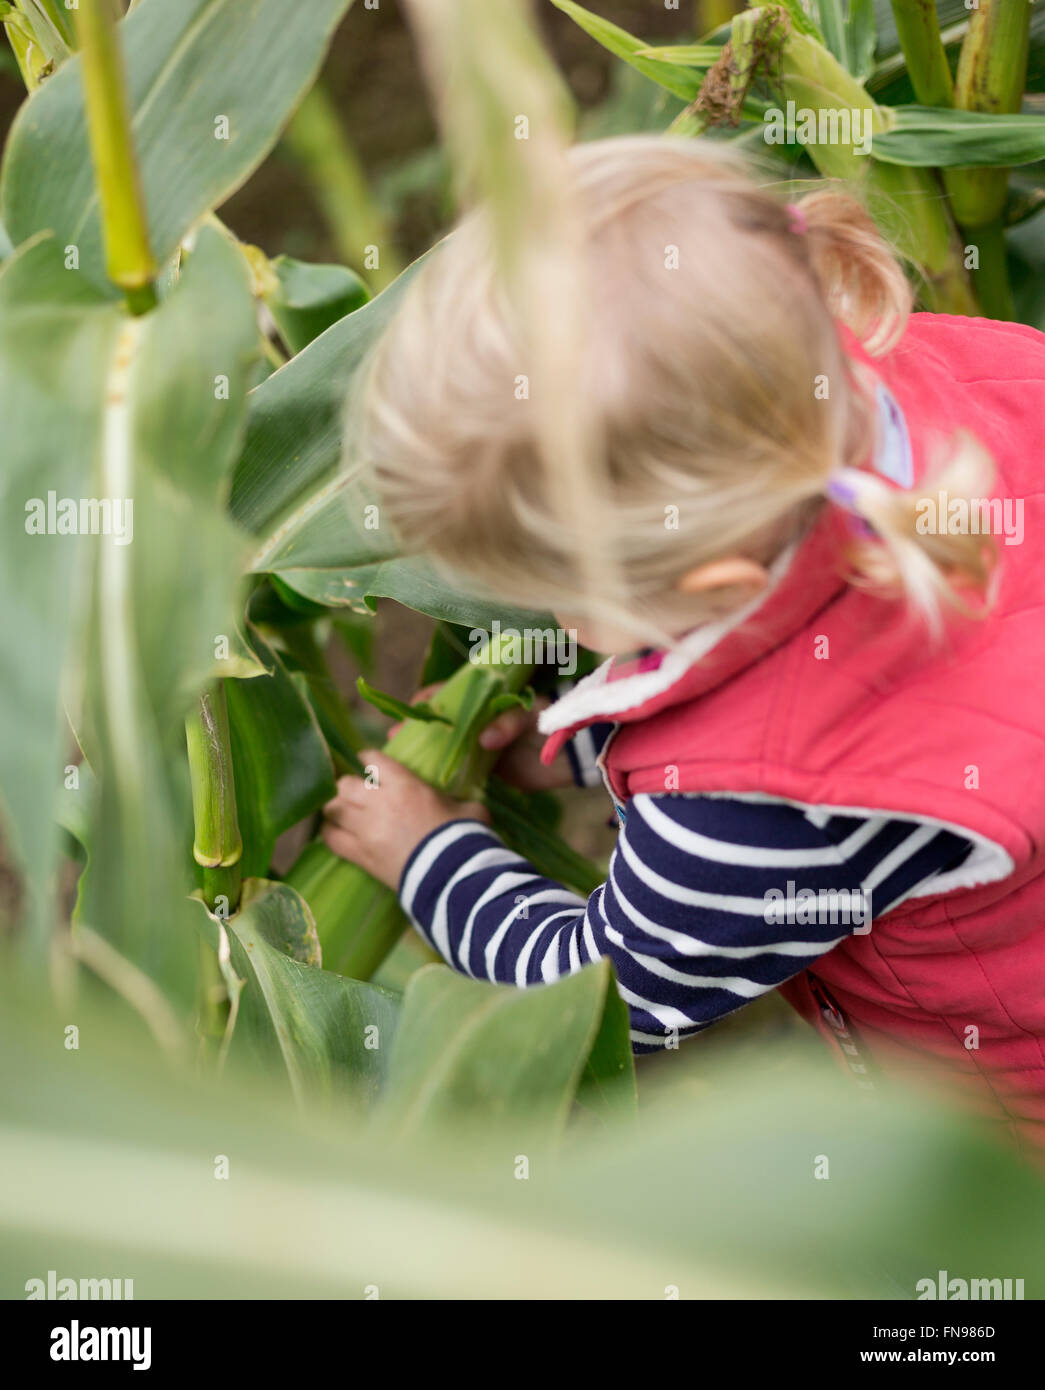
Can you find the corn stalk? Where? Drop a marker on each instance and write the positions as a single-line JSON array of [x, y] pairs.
[[992, 74], [317, 140], [217, 846], [129, 259], [918, 29]]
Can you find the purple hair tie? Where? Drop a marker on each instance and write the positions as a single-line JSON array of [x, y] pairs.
[[797, 219], [843, 489]]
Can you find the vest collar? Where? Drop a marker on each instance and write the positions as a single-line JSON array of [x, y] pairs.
[[802, 580]]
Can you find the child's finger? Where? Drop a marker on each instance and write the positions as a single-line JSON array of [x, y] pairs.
[[506, 728], [416, 699], [340, 813], [340, 842], [350, 791]]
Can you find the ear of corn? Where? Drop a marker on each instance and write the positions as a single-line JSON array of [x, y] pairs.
[[905, 201], [358, 919]]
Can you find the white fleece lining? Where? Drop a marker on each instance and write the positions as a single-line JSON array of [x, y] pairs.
[[594, 695]]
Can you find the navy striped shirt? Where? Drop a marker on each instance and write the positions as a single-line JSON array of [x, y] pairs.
[[710, 901]]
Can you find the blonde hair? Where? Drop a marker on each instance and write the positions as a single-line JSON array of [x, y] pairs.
[[710, 317]]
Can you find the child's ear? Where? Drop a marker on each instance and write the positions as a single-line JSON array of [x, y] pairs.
[[734, 571]]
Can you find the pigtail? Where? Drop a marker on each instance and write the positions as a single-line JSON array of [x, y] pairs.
[[908, 548], [860, 278]]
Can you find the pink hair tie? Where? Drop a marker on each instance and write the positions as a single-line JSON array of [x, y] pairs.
[[797, 219]]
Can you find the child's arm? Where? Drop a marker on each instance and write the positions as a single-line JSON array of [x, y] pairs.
[[683, 915]]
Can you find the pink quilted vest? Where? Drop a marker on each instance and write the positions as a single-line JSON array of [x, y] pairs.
[[833, 697]]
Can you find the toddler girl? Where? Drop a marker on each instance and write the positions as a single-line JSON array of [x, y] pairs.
[[827, 757]]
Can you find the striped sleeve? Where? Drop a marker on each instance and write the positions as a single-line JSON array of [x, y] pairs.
[[709, 903]]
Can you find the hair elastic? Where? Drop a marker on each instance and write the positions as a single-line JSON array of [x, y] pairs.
[[843, 488], [797, 218]]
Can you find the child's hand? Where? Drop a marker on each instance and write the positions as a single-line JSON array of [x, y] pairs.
[[379, 826], [515, 733]]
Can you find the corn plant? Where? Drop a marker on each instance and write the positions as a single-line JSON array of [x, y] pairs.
[[185, 535], [950, 95], [198, 398]]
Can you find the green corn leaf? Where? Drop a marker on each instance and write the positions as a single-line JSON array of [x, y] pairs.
[[861, 37], [152, 412], [449, 645], [1025, 201], [311, 1024], [685, 55], [301, 642], [109, 1168], [802, 21], [209, 96], [307, 514], [466, 1052], [282, 767], [1036, 57], [514, 699], [410, 580], [42, 576], [399, 709], [307, 299], [848, 30], [1026, 247], [831, 14], [679, 78], [939, 137], [288, 488]]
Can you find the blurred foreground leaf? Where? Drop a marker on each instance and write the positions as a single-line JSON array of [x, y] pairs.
[[497, 1055], [150, 419], [109, 1167]]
